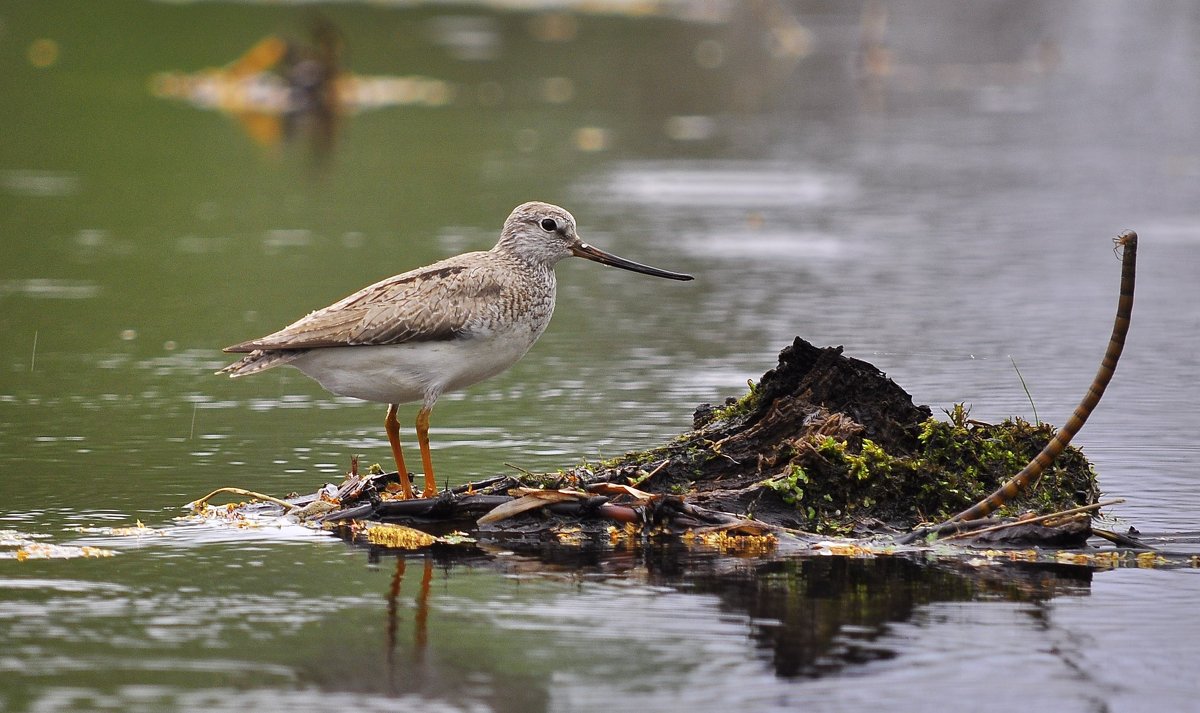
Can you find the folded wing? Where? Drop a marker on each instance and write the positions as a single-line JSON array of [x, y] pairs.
[[429, 304]]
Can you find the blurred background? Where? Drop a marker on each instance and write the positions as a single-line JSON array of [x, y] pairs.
[[932, 184]]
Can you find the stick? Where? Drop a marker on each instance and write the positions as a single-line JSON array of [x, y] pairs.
[[1035, 520], [197, 504], [651, 474], [480, 484], [1034, 469], [1121, 540], [1116, 343]]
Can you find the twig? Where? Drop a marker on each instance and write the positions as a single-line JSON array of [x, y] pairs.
[[651, 474], [530, 499], [519, 469], [1039, 518], [197, 504], [481, 484], [1020, 482], [1121, 540]]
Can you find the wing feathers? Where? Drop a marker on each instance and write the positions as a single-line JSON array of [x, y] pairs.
[[428, 304]]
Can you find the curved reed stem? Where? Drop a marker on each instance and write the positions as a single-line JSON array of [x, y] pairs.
[[1116, 343]]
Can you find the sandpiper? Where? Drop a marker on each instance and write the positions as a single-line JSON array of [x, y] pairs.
[[439, 328]]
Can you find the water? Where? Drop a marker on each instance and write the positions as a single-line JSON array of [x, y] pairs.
[[941, 217]]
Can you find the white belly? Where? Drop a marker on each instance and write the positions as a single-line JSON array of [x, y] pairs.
[[418, 371]]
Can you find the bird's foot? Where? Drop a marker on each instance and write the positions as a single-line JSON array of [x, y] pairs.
[[403, 487]]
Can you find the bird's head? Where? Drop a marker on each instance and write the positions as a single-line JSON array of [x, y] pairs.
[[545, 234]]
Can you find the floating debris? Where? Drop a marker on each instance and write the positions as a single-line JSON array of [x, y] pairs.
[[280, 86], [138, 529], [27, 547]]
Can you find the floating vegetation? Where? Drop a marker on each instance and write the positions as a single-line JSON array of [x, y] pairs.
[[732, 543], [397, 536], [27, 546]]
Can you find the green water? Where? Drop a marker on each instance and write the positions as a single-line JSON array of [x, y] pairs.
[[936, 218]]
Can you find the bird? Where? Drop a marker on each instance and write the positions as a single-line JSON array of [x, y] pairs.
[[435, 329]]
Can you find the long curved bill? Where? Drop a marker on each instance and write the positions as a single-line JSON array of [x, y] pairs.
[[591, 252]]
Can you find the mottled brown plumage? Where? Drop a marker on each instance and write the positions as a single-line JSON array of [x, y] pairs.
[[438, 328]]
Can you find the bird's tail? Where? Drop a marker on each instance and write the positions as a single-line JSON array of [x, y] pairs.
[[261, 360]]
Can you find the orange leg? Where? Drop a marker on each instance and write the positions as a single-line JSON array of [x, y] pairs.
[[426, 459], [392, 426]]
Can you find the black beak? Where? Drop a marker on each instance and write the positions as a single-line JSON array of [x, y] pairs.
[[589, 252]]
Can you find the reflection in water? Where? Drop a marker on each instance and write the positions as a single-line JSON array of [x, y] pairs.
[[806, 617], [280, 89], [50, 288], [831, 610], [420, 618], [686, 186], [39, 184]]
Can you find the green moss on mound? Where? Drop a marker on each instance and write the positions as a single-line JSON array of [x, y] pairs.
[[835, 484], [827, 443]]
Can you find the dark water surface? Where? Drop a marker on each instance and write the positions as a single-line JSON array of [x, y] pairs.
[[934, 188]]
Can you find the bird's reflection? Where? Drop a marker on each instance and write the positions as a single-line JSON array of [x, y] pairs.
[[420, 617]]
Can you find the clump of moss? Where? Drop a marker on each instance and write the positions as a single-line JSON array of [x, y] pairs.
[[731, 409], [834, 484], [826, 442]]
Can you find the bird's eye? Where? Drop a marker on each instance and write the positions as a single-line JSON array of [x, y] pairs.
[[549, 225]]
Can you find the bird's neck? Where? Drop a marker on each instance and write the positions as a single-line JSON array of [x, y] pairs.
[[528, 255]]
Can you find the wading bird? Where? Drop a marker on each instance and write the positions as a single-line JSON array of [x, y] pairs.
[[444, 327]]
